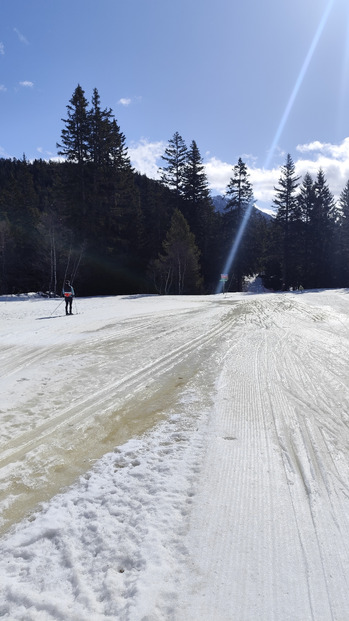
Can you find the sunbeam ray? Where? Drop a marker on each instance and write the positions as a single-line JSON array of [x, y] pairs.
[[237, 240], [281, 126], [299, 81]]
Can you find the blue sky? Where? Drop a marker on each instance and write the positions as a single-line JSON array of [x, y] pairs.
[[254, 79]]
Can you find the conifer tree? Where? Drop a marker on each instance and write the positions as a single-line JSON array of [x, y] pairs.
[[239, 189], [306, 201], [198, 210], [322, 232], [240, 198], [195, 185], [177, 270], [118, 152], [99, 131], [74, 146], [343, 238], [75, 137], [176, 157], [288, 212]]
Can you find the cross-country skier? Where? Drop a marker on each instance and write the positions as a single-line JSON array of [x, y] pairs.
[[68, 294]]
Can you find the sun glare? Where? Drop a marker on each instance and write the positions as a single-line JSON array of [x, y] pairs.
[[280, 128]]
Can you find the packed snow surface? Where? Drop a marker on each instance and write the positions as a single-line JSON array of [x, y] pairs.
[[175, 458]]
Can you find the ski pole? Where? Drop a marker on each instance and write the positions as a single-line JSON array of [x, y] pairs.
[[61, 302]]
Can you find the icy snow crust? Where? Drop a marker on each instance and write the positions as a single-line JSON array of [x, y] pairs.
[[175, 458]]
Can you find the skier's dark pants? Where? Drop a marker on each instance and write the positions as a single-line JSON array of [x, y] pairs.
[[68, 304]]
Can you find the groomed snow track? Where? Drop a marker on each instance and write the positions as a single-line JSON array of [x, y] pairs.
[[274, 538], [256, 388]]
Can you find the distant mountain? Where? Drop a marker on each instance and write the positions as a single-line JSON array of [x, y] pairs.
[[220, 202]]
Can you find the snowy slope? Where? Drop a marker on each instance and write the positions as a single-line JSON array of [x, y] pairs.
[[175, 458]]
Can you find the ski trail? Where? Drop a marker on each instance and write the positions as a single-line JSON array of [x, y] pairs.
[[277, 489], [102, 405]]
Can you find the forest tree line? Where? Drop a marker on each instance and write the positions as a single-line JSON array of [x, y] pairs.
[[110, 230]]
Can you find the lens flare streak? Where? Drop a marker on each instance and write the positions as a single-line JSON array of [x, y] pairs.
[[299, 81], [237, 240], [279, 131]]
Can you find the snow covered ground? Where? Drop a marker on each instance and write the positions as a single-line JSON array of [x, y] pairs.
[[175, 458]]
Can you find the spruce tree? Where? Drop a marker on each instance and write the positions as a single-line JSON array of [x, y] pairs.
[[75, 137], [172, 175], [343, 238], [240, 197], [177, 270], [195, 185], [75, 147], [199, 211], [322, 233], [99, 131], [306, 201], [288, 212], [239, 190]]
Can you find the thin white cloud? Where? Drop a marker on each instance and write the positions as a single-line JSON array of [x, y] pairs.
[[336, 151], [3, 153], [124, 101], [127, 101], [2, 49], [3, 88], [219, 174], [264, 182], [47, 154], [27, 84], [21, 36], [146, 157], [332, 158], [311, 146]]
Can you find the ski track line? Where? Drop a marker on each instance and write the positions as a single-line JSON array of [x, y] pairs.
[[131, 384], [15, 360], [239, 585], [287, 556], [304, 450], [90, 419], [115, 340]]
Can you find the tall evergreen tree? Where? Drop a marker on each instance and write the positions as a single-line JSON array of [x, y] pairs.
[[99, 131], [306, 202], [75, 137], [322, 233], [118, 152], [111, 166], [288, 213], [199, 211], [195, 185], [240, 198], [75, 147], [176, 157], [342, 246], [239, 190], [177, 270]]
